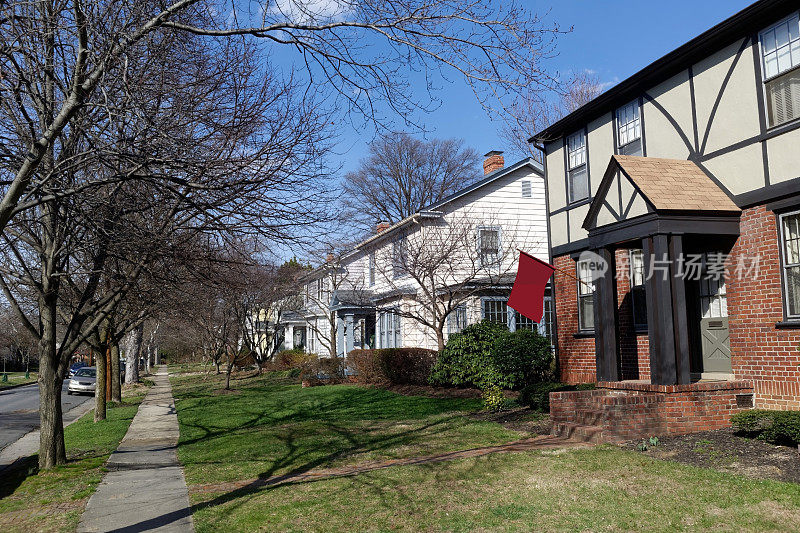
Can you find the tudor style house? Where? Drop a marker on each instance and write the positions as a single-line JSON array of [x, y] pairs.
[[693, 159], [449, 265]]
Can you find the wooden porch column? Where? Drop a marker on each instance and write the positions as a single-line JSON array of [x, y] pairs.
[[606, 332], [667, 322], [680, 318]]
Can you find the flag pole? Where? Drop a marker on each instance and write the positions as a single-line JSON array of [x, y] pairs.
[[568, 274]]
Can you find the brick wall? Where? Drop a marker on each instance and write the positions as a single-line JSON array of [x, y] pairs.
[[762, 353], [622, 411], [576, 358]]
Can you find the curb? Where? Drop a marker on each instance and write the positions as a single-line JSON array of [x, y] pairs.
[[24, 454], [18, 385]]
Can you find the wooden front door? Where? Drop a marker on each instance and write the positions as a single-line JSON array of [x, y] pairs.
[[714, 336]]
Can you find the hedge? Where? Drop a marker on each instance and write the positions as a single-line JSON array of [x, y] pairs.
[[395, 366], [777, 427]]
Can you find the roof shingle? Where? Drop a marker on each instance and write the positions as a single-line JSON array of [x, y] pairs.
[[675, 184]]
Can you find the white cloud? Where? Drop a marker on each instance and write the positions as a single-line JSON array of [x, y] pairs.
[[310, 11]]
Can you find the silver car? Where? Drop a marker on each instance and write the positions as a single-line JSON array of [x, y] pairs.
[[83, 381]]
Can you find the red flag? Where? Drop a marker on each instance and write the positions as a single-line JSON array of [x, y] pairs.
[[527, 294]]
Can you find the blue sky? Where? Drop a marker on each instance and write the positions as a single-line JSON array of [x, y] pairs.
[[614, 38]]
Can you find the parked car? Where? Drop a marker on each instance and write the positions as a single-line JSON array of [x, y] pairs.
[[83, 381], [74, 368]]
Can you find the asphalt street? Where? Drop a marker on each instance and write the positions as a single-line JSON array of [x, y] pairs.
[[19, 410]]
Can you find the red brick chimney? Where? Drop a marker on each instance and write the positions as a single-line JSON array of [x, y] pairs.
[[382, 226], [494, 161]]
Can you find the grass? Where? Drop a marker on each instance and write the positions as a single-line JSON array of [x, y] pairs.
[[53, 500], [17, 378], [270, 426], [604, 489]]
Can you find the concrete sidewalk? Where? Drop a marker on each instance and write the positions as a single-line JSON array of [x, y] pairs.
[[145, 489]]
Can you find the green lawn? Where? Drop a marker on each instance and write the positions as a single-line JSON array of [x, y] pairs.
[[54, 500], [268, 426], [17, 378]]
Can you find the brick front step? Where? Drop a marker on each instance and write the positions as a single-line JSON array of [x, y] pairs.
[[631, 410]]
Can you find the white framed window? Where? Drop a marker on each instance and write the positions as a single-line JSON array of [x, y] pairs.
[[389, 334], [585, 296], [527, 189], [577, 171], [780, 55], [495, 310], [638, 294], [790, 244], [399, 257], [489, 245], [629, 129], [457, 319], [371, 268]]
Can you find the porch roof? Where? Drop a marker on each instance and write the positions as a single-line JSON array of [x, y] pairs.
[[665, 185]]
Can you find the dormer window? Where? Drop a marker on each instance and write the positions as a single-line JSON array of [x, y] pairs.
[[629, 129], [780, 53], [577, 172]]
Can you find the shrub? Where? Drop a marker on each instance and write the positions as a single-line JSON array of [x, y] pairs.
[[777, 427], [537, 395], [486, 354], [495, 400], [467, 358], [522, 357], [287, 359], [397, 366], [367, 368], [406, 366]]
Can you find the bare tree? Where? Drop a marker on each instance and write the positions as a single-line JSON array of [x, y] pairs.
[[199, 155], [59, 58], [533, 111], [402, 174], [435, 268]]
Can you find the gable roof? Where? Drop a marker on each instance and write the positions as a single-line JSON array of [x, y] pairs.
[[666, 184], [432, 210], [743, 24]]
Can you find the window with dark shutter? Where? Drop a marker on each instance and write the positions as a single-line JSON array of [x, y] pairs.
[[780, 54]]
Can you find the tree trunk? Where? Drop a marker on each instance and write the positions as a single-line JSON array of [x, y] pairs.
[[116, 378], [133, 351], [228, 374], [440, 338], [51, 436], [100, 385], [216, 363]]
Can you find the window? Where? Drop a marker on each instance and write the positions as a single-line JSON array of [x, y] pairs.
[[489, 246], [629, 129], [523, 322], [527, 189], [790, 234], [585, 297], [371, 269], [638, 295], [577, 173], [399, 258], [495, 310], [457, 319], [780, 51], [389, 329]]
